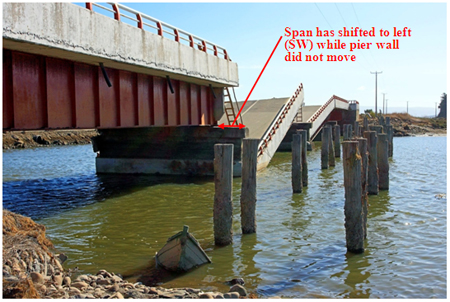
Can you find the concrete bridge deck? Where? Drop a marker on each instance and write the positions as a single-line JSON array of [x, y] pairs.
[[155, 98], [259, 114], [66, 66]]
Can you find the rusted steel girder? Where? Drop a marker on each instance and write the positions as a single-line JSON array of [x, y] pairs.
[[41, 92]]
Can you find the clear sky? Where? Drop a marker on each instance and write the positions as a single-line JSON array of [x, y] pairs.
[[414, 73]]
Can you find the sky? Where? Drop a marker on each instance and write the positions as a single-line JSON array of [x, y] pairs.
[[415, 75]]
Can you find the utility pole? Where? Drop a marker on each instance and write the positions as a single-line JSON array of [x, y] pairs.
[[384, 93], [376, 75], [386, 106]]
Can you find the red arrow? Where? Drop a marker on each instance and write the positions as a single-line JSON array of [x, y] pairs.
[[242, 107], [223, 126]]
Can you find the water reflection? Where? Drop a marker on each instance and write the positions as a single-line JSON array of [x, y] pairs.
[[358, 275], [246, 249]]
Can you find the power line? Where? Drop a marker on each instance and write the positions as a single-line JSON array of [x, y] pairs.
[[376, 76], [340, 14], [359, 23], [345, 23], [323, 15]]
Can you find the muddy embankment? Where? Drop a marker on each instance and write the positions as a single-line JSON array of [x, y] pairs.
[[407, 125], [32, 139], [33, 269]]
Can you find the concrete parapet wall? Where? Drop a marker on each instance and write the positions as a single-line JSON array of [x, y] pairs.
[[68, 31]]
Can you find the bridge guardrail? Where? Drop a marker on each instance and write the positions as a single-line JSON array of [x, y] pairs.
[[270, 132], [324, 106], [317, 114], [162, 28]]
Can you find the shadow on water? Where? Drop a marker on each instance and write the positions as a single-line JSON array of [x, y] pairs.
[[40, 198], [307, 268]]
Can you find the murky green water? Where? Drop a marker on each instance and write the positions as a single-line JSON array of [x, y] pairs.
[[119, 222]]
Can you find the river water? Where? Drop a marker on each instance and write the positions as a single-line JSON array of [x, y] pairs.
[[118, 223]]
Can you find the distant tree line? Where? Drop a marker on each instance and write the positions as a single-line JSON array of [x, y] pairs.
[[443, 106]]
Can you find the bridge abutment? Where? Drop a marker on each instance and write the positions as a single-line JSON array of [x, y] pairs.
[[185, 150]]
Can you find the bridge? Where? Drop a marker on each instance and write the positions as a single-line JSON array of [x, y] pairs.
[[156, 93]]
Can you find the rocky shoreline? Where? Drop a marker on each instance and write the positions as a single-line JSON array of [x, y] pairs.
[[31, 269]]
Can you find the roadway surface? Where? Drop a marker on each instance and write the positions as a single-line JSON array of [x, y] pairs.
[[308, 111], [258, 115]]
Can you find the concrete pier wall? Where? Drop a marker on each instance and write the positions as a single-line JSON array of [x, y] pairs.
[[165, 150]]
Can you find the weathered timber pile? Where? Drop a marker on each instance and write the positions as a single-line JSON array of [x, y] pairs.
[[31, 139], [31, 269]]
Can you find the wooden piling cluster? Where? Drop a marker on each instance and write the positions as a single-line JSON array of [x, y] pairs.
[[223, 182], [366, 171]]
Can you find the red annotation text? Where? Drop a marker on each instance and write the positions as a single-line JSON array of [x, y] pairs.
[[346, 39]]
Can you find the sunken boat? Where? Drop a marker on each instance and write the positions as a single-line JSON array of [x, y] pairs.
[[182, 252]]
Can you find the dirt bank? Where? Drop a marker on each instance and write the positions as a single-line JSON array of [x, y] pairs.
[[32, 139], [32, 269], [407, 125]]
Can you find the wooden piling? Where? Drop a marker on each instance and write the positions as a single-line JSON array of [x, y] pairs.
[[350, 131], [383, 163], [390, 134], [223, 182], [377, 128], [372, 181], [248, 189], [366, 124], [362, 148], [337, 140], [356, 130], [354, 232], [297, 182], [331, 160], [345, 133], [304, 134], [325, 147], [387, 123]]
